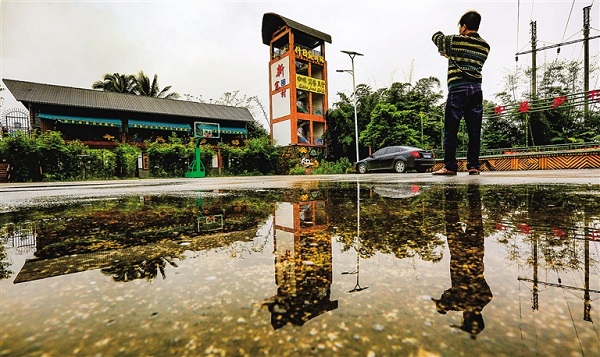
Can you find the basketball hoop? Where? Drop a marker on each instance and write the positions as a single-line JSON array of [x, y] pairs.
[[207, 130]]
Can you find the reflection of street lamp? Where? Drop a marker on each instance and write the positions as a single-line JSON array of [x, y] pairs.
[[357, 287], [351, 71]]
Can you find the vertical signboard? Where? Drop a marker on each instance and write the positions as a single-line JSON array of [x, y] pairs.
[[280, 78]]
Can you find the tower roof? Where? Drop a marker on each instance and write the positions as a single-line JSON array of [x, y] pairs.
[[303, 34]]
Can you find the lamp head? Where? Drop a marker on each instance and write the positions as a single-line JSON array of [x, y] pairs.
[[352, 53]]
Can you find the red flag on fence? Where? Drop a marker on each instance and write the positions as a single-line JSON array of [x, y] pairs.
[[525, 228], [524, 107], [558, 101], [595, 95]]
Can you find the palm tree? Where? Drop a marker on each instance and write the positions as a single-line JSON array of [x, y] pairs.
[[144, 87], [119, 83]]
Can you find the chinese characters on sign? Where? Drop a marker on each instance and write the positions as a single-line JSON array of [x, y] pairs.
[[280, 75], [310, 84], [309, 55]]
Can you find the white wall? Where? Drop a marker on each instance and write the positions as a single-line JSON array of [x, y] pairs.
[[282, 133]]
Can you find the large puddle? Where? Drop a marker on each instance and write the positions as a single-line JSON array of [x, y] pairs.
[[325, 269]]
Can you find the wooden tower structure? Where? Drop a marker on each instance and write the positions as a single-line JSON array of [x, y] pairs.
[[298, 81]]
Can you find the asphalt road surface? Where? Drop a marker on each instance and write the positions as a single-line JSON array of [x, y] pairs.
[[24, 194]]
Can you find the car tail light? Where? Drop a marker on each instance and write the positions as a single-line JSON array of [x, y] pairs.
[[415, 154]]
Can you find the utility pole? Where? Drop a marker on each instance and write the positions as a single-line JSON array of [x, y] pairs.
[[586, 61], [533, 59], [533, 75]]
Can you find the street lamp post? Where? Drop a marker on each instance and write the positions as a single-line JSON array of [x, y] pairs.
[[353, 54]]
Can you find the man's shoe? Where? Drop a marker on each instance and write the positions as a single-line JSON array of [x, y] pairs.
[[443, 171], [473, 171]]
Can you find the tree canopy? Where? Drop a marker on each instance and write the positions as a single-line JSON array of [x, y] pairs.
[[139, 84], [412, 114]]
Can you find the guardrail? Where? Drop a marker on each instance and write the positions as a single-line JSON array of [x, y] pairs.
[[439, 154]]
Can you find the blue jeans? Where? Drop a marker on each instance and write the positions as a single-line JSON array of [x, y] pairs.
[[465, 100]]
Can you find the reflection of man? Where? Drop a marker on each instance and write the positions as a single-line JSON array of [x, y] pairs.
[[469, 293]]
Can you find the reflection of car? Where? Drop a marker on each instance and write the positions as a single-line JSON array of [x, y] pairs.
[[396, 191], [397, 158]]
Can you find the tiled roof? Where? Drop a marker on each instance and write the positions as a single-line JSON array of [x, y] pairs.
[[39, 93]]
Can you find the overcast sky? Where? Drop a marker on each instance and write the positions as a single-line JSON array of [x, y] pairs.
[[207, 48]]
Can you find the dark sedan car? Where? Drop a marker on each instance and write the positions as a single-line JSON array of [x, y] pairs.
[[397, 158]]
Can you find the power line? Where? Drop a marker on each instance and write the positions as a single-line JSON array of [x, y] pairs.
[[569, 18], [518, 21], [556, 45]]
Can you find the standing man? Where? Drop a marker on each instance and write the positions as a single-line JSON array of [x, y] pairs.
[[466, 55]]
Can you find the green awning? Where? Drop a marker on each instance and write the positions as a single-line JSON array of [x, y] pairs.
[[142, 124], [115, 123], [225, 130]]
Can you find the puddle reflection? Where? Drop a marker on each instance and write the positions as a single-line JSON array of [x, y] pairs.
[[333, 269], [469, 292]]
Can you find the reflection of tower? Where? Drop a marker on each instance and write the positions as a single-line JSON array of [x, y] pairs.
[[303, 264], [298, 81]]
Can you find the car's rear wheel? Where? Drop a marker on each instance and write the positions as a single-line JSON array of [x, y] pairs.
[[400, 166], [362, 168]]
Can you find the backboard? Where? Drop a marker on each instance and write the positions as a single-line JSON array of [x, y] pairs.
[[207, 130], [210, 223]]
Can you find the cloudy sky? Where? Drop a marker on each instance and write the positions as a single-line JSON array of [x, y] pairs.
[[207, 48]]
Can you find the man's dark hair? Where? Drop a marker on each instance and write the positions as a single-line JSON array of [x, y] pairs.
[[472, 19]]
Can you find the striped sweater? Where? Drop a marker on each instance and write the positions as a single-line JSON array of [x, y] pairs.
[[466, 56]]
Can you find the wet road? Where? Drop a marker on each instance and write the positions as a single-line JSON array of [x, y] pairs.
[[501, 264], [25, 193]]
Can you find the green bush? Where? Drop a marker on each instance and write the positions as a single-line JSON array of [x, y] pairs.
[[338, 167], [297, 170], [125, 161], [47, 157], [101, 163], [23, 153], [341, 166], [171, 158], [258, 157], [167, 160]]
